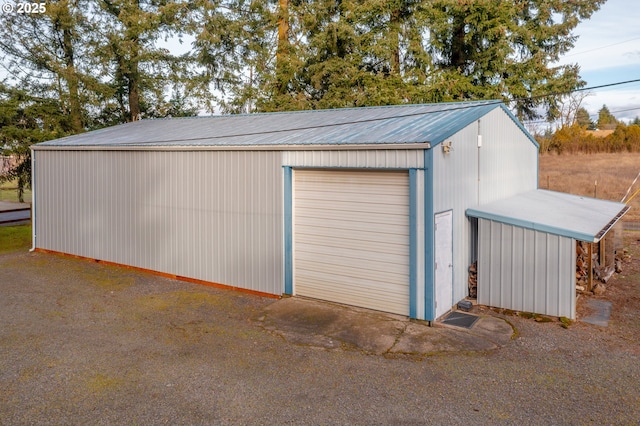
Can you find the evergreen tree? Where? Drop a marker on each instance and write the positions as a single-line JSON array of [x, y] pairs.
[[606, 120], [584, 120], [335, 53], [505, 49], [41, 51], [26, 119], [139, 72]]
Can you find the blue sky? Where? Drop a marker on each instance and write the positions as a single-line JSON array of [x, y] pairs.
[[608, 51]]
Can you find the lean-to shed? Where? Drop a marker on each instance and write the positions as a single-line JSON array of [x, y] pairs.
[[363, 206]]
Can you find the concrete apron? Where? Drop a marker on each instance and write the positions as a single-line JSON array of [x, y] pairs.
[[332, 326]]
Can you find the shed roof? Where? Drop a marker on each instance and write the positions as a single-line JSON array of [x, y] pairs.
[[427, 124], [574, 216]]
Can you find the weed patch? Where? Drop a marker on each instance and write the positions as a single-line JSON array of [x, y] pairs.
[[15, 238]]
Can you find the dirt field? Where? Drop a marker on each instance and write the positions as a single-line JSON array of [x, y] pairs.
[[578, 174]]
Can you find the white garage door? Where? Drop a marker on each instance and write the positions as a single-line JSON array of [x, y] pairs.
[[351, 238]]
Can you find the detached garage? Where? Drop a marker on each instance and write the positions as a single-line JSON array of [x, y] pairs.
[[363, 206]]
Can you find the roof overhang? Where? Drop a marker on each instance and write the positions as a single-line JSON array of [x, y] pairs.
[[567, 215], [283, 147]]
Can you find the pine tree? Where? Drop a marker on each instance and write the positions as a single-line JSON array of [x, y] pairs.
[[584, 120], [26, 119], [125, 48], [606, 120], [505, 50], [42, 49]]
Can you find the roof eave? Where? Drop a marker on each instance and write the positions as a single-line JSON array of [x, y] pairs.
[[270, 147], [581, 236]]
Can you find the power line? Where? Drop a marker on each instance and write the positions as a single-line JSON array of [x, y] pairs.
[[580, 89], [476, 104], [370, 120], [599, 48]]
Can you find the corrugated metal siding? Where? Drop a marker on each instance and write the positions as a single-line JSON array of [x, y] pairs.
[[214, 216], [526, 270], [508, 159], [507, 162], [351, 237], [390, 159]]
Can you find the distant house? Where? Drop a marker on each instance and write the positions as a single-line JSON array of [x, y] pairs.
[[383, 207], [6, 163]]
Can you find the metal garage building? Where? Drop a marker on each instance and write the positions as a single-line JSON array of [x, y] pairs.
[[362, 206]]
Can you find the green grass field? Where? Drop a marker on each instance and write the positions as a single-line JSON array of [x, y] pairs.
[[15, 238], [9, 192]]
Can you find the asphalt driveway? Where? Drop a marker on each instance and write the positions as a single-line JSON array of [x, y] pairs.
[[86, 343]]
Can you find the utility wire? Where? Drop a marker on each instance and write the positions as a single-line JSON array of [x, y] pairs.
[[393, 117], [600, 48]]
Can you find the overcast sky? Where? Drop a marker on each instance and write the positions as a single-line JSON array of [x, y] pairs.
[[608, 51]]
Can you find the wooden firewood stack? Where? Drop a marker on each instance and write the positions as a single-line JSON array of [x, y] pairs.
[[473, 280], [589, 272], [582, 267]]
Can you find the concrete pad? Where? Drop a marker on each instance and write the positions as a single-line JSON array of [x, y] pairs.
[[333, 326], [494, 329], [425, 340], [601, 312]]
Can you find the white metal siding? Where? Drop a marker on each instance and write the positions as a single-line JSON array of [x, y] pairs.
[[351, 238], [209, 215], [526, 270], [467, 176], [384, 158]]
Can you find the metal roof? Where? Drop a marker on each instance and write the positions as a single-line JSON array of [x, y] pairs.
[[581, 218], [427, 124]]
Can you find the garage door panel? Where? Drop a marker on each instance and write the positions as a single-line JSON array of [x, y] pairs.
[[361, 282], [346, 178], [343, 265], [355, 286], [315, 212], [359, 296], [357, 237], [397, 247], [313, 252], [351, 233], [349, 225], [388, 200]]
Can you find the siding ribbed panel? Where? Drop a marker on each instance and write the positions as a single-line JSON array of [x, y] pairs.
[[387, 158], [351, 237], [525, 270], [468, 176], [212, 215], [508, 159]]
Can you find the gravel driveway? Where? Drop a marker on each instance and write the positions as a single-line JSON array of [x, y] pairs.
[[86, 343]]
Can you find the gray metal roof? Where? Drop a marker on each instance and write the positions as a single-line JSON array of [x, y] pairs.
[[581, 218], [403, 124]]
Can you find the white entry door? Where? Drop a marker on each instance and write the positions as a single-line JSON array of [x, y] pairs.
[[444, 262]]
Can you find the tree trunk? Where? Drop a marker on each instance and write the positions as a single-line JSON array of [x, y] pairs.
[[458, 54], [133, 84], [394, 35], [282, 54], [75, 110]]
